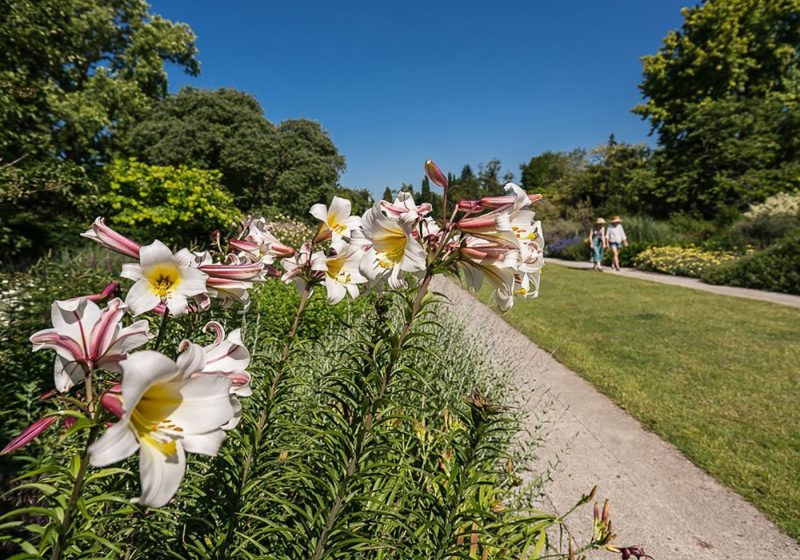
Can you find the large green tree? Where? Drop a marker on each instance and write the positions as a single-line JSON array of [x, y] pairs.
[[73, 74], [554, 174], [723, 95], [290, 166]]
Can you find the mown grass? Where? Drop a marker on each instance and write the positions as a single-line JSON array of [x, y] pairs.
[[717, 376]]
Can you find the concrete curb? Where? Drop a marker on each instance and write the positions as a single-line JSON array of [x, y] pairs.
[[659, 499]]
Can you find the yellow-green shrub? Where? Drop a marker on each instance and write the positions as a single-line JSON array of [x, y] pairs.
[[681, 261], [174, 204]]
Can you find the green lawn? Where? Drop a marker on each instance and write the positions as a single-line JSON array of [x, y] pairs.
[[717, 376]]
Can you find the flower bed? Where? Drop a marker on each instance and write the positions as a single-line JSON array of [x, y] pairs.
[[681, 261]]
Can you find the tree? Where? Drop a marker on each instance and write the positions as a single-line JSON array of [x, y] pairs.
[[723, 88], [74, 72], [291, 166], [554, 174], [619, 177], [73, 75], [220, 129], [388, 196]]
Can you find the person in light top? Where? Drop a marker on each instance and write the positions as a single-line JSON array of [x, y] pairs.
[[615, 236]]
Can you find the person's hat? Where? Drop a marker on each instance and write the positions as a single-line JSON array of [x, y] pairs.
[[616, 220], [600, 221]]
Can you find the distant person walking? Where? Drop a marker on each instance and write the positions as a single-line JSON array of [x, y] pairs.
[[598, 242], [616, 237]]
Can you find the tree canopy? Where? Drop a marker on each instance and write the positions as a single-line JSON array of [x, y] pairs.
[[723, 95], [75, 71], [291, 166], [73, 75]]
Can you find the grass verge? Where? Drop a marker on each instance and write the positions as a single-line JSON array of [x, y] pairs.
[[717, 376]]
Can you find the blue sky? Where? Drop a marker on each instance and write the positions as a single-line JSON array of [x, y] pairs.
[[395, 83]]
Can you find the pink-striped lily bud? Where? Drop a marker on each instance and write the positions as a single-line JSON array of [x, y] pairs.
[[112, 402], [257, 250], [28, 434], [476, 223], [486, 252], [109, 291], [469, 205], [435, 174], [494, 202], [247, 272], [110, 239]]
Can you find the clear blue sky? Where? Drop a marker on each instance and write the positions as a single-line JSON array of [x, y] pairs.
[[397, 82]]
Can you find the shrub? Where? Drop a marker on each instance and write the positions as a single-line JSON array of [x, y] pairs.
[[781, 204], [643, 229], [692, 230], [627, 255], [763, 230], [174, 204], [681, 261], [571, 249], [776, 268], [40, 208]]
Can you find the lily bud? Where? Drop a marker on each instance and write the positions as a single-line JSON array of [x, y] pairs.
[[110, 239], [494, 202], [111, 290], [28, 434], [435, 174], [469, 205], [113, 403]]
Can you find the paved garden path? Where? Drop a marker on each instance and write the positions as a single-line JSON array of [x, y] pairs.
[[693, 283], [659, 499]]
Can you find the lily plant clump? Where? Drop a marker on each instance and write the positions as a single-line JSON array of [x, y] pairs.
[[121, 392]]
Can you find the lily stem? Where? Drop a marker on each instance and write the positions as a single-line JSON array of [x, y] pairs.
[[77, 485], [162, 329]]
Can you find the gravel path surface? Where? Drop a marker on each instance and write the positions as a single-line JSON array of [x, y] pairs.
[[693, 283], [659, 499]]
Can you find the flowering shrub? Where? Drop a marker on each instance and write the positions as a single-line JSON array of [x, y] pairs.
[[377, 437], [781, 204], [681, 261], [181, 202]]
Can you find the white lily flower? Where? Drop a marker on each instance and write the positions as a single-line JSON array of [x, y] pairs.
[[527, 282], [261, 244], [495, 262], [229, 282], [167, 412], [162, 277], [394, 248], [336, 220], [403, 203], [86, 338], [342, 275], [303, 264], [228, 357]]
